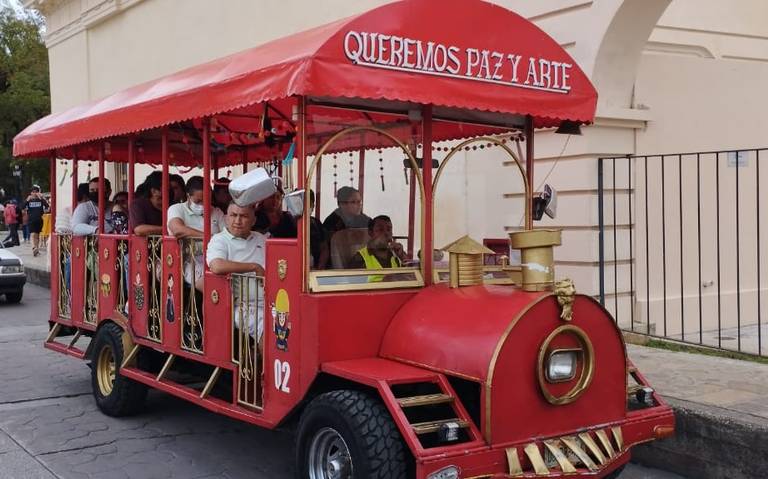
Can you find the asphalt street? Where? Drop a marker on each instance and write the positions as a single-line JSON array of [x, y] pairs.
[[50, 427]]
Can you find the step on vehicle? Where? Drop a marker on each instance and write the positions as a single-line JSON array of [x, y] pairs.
[[458, 363]]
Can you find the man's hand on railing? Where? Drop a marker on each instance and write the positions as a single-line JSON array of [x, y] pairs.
[[223, 266]]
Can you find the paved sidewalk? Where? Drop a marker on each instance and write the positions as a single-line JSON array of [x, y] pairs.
[[735, 385], [721, 414]]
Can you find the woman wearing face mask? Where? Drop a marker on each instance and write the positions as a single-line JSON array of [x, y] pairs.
[[185, 220], [85, 218]]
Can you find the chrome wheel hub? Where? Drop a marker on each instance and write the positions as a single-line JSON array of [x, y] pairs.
[[329, 456]]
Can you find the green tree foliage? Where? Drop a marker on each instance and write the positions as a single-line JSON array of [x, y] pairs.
[[24, 94]]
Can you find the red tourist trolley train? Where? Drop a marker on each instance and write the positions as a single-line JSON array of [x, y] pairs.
[[470, 369]]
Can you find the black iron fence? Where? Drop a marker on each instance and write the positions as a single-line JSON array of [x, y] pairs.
[[680, 247]]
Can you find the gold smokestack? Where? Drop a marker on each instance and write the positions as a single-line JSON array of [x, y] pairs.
[[466, 262], [536, 257]]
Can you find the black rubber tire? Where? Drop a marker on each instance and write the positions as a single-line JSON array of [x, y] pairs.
[[615, 473], [375, 445], [14, 298], [127, 396]]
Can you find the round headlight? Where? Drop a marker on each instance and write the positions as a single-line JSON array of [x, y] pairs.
[[561, 365], [574, 364]]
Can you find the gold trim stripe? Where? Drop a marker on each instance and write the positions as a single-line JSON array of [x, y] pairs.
[[166, 367], [211, 381], [593, 448], [534, 455], [573, 444], [618, 437], [513, 462], [603, 437], [562, 460], [131, 356]]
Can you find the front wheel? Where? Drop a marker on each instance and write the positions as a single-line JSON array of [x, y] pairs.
[[14, 298], [349, 435], [115, 395]]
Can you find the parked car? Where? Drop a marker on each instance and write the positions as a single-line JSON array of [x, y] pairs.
[[12, 276]]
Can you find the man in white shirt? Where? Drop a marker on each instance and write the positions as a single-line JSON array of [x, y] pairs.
[[237, 249], [185, 221]]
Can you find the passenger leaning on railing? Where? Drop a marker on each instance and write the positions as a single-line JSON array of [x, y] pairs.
[[85, 219], [146, 213], [185, 221], [237, 249]]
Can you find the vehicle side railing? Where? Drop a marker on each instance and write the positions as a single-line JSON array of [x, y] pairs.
[[248, 311], [64, 299]]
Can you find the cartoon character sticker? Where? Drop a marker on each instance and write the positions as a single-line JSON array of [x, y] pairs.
[[138, 293], [281, 324], [106, 284], [170, 313]]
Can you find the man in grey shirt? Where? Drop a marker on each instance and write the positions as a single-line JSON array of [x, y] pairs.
[[85, 219]]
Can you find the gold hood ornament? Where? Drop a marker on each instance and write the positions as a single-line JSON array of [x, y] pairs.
[[566, 293]]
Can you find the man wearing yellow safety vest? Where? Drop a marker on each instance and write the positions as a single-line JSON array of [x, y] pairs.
[[381, 251]]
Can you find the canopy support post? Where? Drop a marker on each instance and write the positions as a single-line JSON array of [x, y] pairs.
[[529, 171], [427, 230], [318, 187], [102, 191], [206, 191], [301, 144], [411, 209], [75, 178], [52, 179], [166, 181], [361, 172], [131, 172], [245, 160]]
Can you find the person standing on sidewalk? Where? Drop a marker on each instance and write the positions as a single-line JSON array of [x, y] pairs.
[[24, 226], [35, 207], [12, 222]]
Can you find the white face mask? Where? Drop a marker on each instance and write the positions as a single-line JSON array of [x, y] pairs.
[[196, 208]]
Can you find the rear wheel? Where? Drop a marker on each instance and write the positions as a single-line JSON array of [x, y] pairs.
[[349, 435], [115, 395], [14, 297]]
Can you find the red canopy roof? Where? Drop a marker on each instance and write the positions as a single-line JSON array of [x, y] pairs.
[[465, 54]]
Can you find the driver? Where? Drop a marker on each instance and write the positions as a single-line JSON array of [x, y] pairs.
[[381, 251]]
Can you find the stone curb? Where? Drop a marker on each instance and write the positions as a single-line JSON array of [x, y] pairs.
[[710, 443], [38, 276]]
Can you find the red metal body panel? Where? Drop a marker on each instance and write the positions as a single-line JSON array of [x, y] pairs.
[[78, 280], [287, 376], [313, 63], [492, 334], [172, 268], [107, 290], [516, 397], [217, 317], [454, 330], [351, 325], [138, 288]]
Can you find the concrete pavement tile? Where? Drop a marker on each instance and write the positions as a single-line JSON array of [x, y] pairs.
[[727, 397], [6, 444], [20, 465]]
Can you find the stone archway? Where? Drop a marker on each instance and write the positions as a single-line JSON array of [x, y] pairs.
[[618, 52]]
